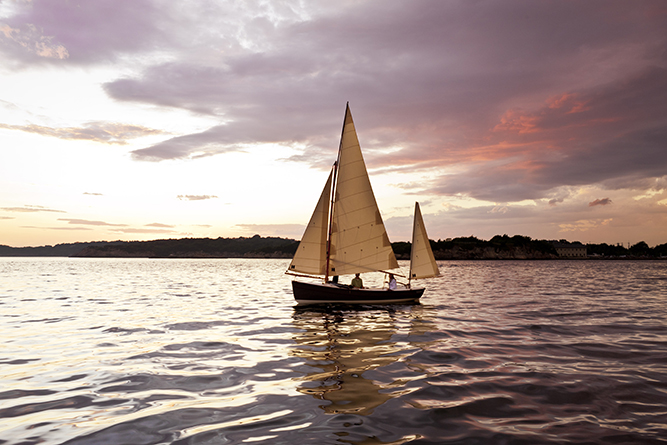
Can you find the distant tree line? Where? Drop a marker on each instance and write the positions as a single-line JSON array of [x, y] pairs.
[[256, 246], [639, 250], [518, 247], [498, 247], [65, 249]]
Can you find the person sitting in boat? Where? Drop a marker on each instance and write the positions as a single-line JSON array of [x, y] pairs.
[[357, 282], [392, 282]]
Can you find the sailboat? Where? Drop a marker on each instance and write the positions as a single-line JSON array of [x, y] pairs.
[[346, 235]]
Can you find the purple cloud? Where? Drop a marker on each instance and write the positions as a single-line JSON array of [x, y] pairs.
[[89, 223], [139, 230], [600, 202], [81, 32], [519, 98], [434, 78]]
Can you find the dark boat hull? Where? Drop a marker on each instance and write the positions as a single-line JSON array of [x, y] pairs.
[[311, 293]]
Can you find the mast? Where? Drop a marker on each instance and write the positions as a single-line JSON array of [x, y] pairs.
[[412, 246], [331, 208], [332, 198]]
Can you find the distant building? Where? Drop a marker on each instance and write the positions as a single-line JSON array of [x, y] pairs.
[[570, 250]]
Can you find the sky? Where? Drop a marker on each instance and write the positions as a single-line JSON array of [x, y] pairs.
[[152, 119]]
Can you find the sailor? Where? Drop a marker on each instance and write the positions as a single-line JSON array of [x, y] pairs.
[[357, 282], [392, 282]]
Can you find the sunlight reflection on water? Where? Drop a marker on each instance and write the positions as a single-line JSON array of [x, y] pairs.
[[143, 351]]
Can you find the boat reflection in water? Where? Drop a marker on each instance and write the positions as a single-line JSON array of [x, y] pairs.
[[352, 351]]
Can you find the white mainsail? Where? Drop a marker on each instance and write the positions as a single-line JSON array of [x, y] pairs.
[[311, 255], [357, 239], [422, 261]]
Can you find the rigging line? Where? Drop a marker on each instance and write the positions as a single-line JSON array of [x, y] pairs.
[[366, 269], [392, 273], [287, 272], [330, 222]]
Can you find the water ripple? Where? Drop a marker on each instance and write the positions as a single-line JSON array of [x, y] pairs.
[[214, 352]]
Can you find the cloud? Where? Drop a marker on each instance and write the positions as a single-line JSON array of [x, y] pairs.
[[600, 202], [281, 230], [196, 197], [139, 230], [57, 30], [56, 228], [9, 106], [101, 132], [166, 226], [208, 143], [539, 221], [619, 135], [93, 194], [31, 39], [89, 223], [30, 209], [584, 225], [432, 80]]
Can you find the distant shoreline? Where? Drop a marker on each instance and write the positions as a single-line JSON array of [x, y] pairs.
[[279, 257], [467, 248]]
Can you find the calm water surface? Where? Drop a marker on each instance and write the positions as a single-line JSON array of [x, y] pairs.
[[136, 351]]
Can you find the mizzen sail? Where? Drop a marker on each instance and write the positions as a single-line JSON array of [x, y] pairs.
[[422, 262]]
